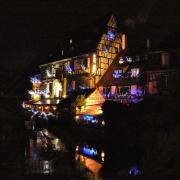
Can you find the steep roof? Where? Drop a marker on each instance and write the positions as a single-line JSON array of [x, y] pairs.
[[108, 79]]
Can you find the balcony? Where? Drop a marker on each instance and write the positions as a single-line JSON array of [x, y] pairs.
[[84, 71], [124, 98], [48, 77], [59, 73], [78, 72]]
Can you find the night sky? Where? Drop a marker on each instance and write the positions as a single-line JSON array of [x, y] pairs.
[[30, 30]]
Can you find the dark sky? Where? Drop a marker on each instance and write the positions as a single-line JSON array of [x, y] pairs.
[[31, 29]]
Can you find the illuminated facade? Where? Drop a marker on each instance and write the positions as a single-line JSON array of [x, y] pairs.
[[106, 66], [77, 71], [131, 77]]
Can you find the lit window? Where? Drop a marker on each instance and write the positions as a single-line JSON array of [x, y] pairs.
[[105, 48], [121, 60], [117, 73], [135, 72], [94, 64], [125, 59]]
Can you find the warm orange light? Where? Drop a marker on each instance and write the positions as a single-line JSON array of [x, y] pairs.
[[103, 123], [64, 88], [64, 96], [76, 117], [94, 64], [35, 97], [124, 41]]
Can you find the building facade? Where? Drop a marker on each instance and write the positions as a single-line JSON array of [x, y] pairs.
[[131, 77], [81, 71], [108, 68]]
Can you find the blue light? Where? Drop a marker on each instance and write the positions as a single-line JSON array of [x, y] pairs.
[[68, 69], [110, 36], [134, 171], [89, 152], [117, 73], [35, 79], [88, 117], [82, 87], [94, 121]]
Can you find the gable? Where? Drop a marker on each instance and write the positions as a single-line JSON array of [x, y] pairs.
[[112, 22], [95, 98]]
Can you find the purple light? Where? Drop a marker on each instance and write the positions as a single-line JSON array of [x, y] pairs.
[[117, 74], [134, 171], [134, 72], [68, 69], [110, 36]]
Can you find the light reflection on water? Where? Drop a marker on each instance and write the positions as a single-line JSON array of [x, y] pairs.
[[44, 143], [37, 159], [90, 157], [34, 163]]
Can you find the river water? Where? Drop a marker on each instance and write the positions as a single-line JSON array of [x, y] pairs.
[[83, 157]]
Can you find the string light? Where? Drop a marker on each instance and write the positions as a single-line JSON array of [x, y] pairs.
[[110, 35], [117, 73], [69, 69], [35, 79]]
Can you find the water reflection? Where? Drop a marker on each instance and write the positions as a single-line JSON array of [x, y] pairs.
[[91, 157], [34, 162], [89, 163], [38, 151], [47, 154], [47, 140]]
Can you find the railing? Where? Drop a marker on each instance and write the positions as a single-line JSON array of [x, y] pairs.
[[59, 72], [124, 99], [73, 72], [79, 71], [46, 77]]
